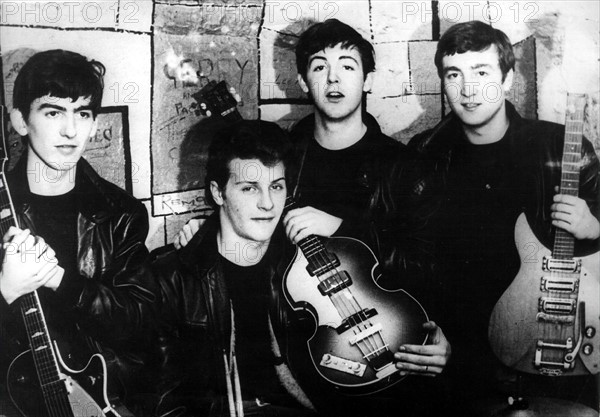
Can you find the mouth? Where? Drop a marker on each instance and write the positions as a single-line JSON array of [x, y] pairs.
[[263, 219], [470, 106], [66, 148], [334, 95]]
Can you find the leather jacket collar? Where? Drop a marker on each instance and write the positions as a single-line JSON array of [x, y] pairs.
[[94, 197]]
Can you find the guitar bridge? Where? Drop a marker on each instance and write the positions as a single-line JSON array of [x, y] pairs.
[[553, 368]]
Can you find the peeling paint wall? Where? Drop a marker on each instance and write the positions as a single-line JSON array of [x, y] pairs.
[[149, 47]]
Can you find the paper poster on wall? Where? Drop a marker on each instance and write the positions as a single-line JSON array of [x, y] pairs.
[[108, 150], [189, 51]]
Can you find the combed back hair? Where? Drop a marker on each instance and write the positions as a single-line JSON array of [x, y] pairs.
[[475, 36], [328, 34], [61, 74], [245, 139]]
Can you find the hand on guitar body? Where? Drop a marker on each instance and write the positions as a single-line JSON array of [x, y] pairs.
[[29, 263], [305, 221], [425, 360], [573, 215]]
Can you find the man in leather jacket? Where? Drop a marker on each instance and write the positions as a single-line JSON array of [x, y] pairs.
[[222, 301], [80, 240], [446, 225]]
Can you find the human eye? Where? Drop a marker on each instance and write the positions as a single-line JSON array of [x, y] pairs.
[[85, 114], [52, 114], [482, 73], [278, 186], [317, 68], [451, 75], [248, 188]]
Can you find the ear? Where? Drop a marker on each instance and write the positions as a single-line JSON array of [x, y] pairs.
[[302, 83], [508, 81], [368, 85], [18, 122], [216, 193]]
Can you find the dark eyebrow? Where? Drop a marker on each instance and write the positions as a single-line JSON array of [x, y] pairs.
[[310, 61], [349, 57], [278, 179], [448, 69], [60, 108]]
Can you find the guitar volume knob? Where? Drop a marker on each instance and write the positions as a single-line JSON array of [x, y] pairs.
[[590, 332], [587, 349]]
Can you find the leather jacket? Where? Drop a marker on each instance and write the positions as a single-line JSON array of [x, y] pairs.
[[381, 150], [196, 320], [412, 195], [111, 295]]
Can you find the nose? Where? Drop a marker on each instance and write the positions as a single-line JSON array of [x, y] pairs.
[[69, 128], [332, 76], [469, 87], [265, 201]]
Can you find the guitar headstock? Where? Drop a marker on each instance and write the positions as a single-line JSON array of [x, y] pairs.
[[216, 98]]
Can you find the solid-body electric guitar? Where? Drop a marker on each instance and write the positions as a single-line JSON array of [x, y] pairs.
[[39, 382], [359, 324], [548, 321]]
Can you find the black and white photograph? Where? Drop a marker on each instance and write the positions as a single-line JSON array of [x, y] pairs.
[[299, 208]]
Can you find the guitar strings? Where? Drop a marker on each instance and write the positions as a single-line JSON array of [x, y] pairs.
[[354, 309]]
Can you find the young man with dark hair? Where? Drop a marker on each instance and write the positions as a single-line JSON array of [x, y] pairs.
[[477, 172], [81, 239], [225, 318]]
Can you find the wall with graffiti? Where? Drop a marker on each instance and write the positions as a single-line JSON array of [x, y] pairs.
[[163, 57]]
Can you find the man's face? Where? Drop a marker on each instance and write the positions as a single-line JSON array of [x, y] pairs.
[[473, 86], [252, 201], [336, 82], [59, 130]]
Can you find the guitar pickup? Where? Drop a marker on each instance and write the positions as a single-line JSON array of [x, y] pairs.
[[567, 285], [550, 305], [335, 283], [550, 264]]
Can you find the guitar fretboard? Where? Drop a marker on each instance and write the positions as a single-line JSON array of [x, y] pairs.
[[564, 242], [46, 364]]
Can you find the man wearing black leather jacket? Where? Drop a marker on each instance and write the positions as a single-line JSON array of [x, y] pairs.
[[80, 240], [225, 325], [447, 224]]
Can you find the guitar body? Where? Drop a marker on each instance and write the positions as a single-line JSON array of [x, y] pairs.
[[519, 322], [25, 392], [398, 314]]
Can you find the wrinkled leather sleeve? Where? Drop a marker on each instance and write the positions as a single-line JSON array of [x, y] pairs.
[[120, 303], [402, 208]]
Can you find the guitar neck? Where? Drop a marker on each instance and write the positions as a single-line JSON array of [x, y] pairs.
[[564, 242], [46, 363]]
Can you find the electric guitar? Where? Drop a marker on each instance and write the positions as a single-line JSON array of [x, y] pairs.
[[548, 321], [38, 380], [359, 325]]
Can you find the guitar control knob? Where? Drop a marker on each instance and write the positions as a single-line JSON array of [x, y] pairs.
[[590, 332], [326, 358], [587, 349]]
